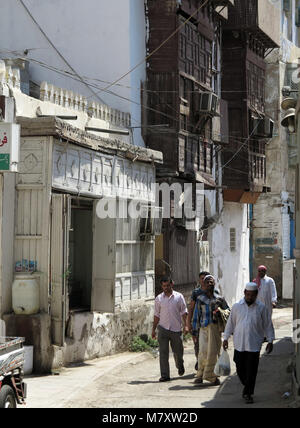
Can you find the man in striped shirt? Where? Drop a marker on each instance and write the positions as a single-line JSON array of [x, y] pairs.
[[170, 317], [192, 310], [207, 318]]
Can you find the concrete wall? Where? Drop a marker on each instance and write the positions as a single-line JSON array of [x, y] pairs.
[[89, 335], [267, 237], [92, 335], [271, 223], [230, 268], [288, 275], [90, 38]]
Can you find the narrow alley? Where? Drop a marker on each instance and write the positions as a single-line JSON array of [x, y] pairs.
[[149, 180], [130, 380]]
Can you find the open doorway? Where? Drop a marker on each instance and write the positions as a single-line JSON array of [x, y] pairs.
[[80, 255]]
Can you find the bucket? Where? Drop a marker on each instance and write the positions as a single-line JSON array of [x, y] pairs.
[[26, 294], [28, 360]]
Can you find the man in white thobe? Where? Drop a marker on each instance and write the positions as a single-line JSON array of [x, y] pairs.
[[267, 293], [249, 322]]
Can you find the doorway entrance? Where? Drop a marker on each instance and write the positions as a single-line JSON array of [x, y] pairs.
[[80, 255]]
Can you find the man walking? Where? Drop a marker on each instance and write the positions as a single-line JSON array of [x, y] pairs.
[[170, 312], [192, 305], [209, 307], [249, 322], [267, 293]]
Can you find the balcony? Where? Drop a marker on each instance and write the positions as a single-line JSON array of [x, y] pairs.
[[259, 17], [257, 165], [199, 161], [244, 178]]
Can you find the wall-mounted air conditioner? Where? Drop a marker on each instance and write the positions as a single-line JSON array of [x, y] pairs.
[[262, 128], [206, 102]]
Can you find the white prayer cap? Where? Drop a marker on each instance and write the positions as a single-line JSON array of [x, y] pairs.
[[208, 277], [251, 286]]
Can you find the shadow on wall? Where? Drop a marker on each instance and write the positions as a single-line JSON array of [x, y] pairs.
[[272, 382]]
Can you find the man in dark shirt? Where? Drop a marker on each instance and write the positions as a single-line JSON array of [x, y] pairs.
[[195, 294]]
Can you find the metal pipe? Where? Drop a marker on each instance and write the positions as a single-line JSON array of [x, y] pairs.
[[59, 116], [107, 131]]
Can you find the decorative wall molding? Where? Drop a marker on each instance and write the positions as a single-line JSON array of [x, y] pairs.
[[77, 102], [83, 171]]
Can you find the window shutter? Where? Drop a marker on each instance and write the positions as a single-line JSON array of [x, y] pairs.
[[232, 239]]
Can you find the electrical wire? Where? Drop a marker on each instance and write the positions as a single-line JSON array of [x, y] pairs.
[[44, 65], [159, 47], [231, 137], [56, 50], [237, 152]]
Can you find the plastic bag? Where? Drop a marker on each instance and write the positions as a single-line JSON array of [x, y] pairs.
[[222, 368]]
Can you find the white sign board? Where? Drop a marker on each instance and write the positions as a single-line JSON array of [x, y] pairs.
[[9, 146]]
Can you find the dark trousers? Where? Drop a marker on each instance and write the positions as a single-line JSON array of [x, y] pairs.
[[165, 337], [247, 367]]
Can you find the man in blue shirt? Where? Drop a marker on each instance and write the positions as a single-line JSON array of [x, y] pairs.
[[211, 309], [195, 333]]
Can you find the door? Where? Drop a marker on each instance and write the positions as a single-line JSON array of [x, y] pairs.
[[104, 263], [59, 251]]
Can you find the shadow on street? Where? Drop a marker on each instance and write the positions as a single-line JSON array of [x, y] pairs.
[[273, 381]]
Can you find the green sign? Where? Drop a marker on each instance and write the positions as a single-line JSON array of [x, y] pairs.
[[4, 162]]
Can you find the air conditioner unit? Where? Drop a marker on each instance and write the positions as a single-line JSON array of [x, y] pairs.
[[207, 102], [269, 127], [263, 127], [150, 221]]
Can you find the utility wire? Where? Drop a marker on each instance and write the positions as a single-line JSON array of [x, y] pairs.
[[57, 51], [157, 49], [232, 138]]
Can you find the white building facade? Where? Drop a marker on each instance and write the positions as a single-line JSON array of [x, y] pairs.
[[274, 214], [95, 277], [78, 46]]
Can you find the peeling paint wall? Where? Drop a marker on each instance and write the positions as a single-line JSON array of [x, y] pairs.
[[231, 268], [89, 335], [92, 335]]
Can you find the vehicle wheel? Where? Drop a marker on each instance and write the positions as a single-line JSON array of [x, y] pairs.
[[7, 398]]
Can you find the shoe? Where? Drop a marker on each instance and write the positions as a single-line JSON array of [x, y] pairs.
[[198, 380], [216, 382], [181, 371], [196, 366], [248, 399], [164, 379]]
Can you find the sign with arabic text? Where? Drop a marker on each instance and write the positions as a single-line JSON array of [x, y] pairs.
[[9, 146]]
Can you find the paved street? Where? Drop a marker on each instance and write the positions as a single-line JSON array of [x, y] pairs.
[[131, 381]]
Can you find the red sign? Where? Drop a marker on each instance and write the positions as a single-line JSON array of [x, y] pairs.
[[4, 141]]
